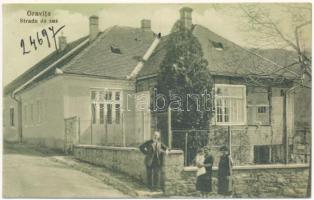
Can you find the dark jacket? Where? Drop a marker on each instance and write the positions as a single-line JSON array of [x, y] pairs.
[[225, 175], [153, 153]]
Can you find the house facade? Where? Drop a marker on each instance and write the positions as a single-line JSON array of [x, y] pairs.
[[86, 81], [256, 102], [97, 90]]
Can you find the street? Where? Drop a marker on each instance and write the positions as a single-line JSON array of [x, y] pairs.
[[27, 173]]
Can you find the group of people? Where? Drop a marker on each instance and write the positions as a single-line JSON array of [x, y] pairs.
[[204, 162], [154, 152]]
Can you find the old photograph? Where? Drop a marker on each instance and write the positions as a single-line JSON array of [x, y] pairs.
[[157, 100]]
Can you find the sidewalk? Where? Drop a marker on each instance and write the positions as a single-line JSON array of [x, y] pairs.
[[119, 181]]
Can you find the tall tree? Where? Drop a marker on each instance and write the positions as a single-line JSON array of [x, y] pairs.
[[184, 79]]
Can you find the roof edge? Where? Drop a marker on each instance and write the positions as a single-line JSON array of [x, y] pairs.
[[50, 66]]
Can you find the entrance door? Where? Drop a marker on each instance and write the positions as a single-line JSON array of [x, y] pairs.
[[71, 134], [142, 116]]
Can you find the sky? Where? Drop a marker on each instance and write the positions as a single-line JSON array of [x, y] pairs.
[[224, 19]]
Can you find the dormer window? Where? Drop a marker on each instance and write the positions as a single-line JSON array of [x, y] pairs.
[[115, 50], [218, 46]]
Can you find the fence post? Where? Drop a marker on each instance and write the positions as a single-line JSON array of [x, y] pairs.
[[79, 129], [123, 130], [169, 128], [91, 132], [229, 139], [186, 149]]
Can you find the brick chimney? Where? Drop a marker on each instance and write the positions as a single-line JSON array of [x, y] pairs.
[[186, 17], [93, 27], [145, 25], [62, 42]]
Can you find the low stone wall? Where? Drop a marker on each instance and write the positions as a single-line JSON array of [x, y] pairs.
[[249, 181], [258, 181], [128, 160]]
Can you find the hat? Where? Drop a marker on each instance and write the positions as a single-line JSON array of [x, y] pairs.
[[224, 148]]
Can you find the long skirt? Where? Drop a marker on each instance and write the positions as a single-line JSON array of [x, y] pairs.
[[204, 183], [225, 185]]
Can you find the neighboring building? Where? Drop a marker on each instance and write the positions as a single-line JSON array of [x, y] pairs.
[[85, 93], [254, 96]]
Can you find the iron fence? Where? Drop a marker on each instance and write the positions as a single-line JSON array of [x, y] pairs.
[[189, 141]]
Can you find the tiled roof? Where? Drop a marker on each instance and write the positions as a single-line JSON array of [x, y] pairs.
[[227, 58], [236, 60], [42, 65], [151, 66], [115, 53]]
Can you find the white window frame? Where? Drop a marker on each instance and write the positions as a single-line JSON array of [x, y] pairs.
[[113, 102], [244, 105]]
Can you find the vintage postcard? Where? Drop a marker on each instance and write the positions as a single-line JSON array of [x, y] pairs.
[[177, 100]]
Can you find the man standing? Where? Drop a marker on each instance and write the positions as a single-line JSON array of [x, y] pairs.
[[154, 151]]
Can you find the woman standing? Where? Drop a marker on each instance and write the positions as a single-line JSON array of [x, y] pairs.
[[204, 175], [225, 173]]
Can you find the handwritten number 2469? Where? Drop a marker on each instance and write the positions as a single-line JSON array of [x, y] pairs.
[[40, 38]]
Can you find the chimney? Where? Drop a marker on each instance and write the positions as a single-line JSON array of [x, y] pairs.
[[93, 27], [62, 42], [186, 17], [145, 25]]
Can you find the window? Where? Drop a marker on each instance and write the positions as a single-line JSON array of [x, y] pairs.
[[117, 113], [115, 50], [107, 104], [230, 104], [93, 95], [109, 113], [12, 123], [261, 109], [258, 106], [261, 154], [218, 45], [101, 113], [101, 96], [117, 98], [93, 107], [108, 95]]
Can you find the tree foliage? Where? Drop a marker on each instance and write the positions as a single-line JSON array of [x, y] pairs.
[[271, 29], [184, 72]]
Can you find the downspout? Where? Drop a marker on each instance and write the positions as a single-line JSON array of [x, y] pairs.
[[19, 102], [286, 138]]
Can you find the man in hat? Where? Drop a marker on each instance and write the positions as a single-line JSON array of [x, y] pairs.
[[154, 151], [225, 173]]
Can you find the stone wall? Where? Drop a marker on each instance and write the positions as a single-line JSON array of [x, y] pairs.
[[258, 181], [123, 159], [249, 181]]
